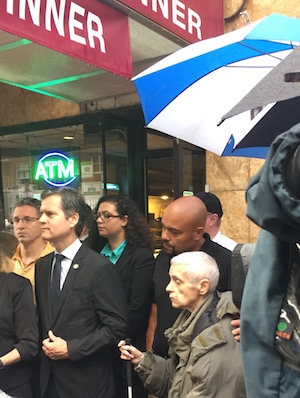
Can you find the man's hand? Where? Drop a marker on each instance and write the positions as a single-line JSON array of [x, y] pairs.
[[55, 347], [236, 331]]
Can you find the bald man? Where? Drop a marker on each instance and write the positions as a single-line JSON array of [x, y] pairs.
[[183, 231]]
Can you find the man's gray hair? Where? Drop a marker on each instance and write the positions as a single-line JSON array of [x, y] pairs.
[[199, 265], [29, 202]]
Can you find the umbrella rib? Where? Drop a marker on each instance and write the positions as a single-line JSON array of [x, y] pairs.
[[263, 52], [250, 67]]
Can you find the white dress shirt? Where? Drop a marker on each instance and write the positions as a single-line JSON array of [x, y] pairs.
[[69, 253], [224, 241]]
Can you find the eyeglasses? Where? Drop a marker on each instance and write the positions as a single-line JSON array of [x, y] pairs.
[[25, 220], [105, 216]]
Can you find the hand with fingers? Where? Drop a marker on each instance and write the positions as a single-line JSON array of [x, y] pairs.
[[236, 331], [130, 353], [55, 347]]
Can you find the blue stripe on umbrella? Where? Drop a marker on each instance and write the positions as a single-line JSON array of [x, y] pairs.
[[157, 89], [252, 152], [276, 27]]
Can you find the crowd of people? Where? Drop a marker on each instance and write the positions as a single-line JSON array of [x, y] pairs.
[[89, 293]]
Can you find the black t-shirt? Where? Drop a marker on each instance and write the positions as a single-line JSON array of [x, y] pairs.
[[166, 314]]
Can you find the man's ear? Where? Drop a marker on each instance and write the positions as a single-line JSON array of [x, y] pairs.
[[74, 218], [204, 285], [214, 218], [199, 233]]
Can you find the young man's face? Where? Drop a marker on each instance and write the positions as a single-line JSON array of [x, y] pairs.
[[55, 226], [26, 224]]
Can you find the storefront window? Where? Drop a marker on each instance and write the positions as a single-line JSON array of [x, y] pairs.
[[193, 170], [160, 194], [89, 158], [116, 160], [173, 168]]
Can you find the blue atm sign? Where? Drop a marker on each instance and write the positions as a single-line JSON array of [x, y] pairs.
[[56, 169]]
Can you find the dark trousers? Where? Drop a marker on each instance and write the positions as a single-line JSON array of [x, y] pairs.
[[51, 391], [35, 381]]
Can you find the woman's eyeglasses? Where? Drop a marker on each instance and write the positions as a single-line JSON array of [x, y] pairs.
[[105, 216]]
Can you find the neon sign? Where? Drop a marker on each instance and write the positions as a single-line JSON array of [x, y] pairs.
[[111, 187], [56, 169]]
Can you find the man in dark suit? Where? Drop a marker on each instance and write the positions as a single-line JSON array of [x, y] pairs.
[[82, 317]]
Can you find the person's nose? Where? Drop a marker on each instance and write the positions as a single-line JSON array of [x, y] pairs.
[[169, 287], [165, 235], [42, 218], [99, 220], [20, 223]]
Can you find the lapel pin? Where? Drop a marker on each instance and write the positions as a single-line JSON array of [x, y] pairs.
[[75, 266]]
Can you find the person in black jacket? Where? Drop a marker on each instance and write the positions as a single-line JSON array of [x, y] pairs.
[[18, 327], [80, 302], [130, 248], [183, 230]]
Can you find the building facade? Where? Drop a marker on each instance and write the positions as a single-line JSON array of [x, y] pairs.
[[64, 121]]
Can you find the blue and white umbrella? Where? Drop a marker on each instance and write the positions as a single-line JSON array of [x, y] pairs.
[[186, 94]]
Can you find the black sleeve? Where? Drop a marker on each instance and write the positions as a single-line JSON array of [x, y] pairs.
[[25, 320], [141, 292]]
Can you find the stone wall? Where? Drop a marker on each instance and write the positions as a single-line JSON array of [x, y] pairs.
[[228, 177], [21, 106]]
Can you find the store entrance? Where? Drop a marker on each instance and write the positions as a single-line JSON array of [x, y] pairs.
[[110, 154], [89, 156], [172, 168]]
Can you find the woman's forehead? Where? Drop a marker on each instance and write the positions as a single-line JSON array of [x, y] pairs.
[[107, 205]]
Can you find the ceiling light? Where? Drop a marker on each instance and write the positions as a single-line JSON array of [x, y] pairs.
[[69, 137], [164, 197]]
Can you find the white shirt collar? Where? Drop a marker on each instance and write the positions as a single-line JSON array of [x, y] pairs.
[[71, 251]]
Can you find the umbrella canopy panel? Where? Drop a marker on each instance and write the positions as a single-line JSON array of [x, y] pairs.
[[186, 94], [281, 117], [272, 88]]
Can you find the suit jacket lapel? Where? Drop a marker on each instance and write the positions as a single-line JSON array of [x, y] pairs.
[[123, 260], [75, 267]]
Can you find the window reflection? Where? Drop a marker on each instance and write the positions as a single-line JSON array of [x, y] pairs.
[[99, 170]]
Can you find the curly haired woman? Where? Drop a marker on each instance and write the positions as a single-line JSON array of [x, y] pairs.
[[130, 248]]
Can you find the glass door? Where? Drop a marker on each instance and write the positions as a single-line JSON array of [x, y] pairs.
[[159, 176]]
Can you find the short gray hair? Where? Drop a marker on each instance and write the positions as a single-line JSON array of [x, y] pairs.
[[29, 202], [199, 265]]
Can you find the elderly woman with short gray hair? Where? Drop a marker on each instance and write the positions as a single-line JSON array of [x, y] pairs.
[[205, 359]]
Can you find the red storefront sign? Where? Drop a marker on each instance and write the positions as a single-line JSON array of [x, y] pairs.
[[192, 20], [84, 29]]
